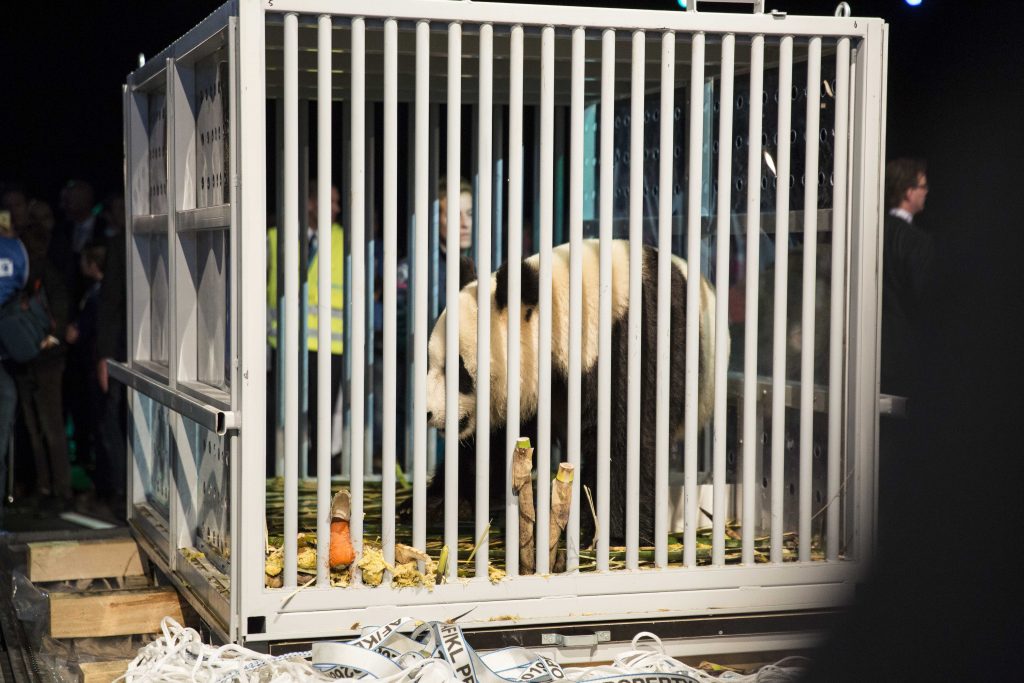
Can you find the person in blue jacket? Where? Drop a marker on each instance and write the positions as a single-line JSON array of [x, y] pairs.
[[13, 276]]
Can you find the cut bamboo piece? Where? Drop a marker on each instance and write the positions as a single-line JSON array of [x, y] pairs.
[[112, 613], [522, 484], [74, 560], [561, 501], [103, 672]]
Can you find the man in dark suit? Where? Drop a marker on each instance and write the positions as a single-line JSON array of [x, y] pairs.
[[908, 256]]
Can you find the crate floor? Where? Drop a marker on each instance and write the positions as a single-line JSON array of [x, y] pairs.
[[496, 546]]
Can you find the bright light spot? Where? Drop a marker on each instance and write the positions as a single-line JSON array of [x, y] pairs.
[[913, 3], [682, 3]]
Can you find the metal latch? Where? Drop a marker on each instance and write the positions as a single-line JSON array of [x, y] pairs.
[[575, 641]]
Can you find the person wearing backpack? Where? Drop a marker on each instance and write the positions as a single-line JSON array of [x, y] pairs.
[[13, 276]]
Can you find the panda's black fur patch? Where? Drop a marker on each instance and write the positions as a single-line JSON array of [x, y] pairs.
[[529, 286], [466, 383]]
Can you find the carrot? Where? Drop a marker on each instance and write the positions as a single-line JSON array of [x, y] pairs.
[[342, 552]]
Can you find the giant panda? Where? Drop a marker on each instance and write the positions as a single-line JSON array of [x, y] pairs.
[[528, 380]]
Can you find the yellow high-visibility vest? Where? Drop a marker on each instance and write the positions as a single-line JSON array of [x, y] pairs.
[[312, 313]]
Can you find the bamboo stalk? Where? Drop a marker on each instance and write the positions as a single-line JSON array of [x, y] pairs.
[[522, 484], [561, 499]]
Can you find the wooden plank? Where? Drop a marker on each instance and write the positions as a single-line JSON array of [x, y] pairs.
[[73, 560], [103, 672], [112, 613]]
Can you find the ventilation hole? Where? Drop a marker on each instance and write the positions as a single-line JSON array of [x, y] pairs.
[[792, 137], [821, 179], [740, 183], [764, 139], [796, 93], [717, 106], [818, 497], [775, 138], [764, 182], [739, 142], [823, 135], [740, 102], [678, 113], [656, 115], [764, 483], [730, 456], [832, 180], [816, 450], [792, 181], [764, 97], [677, 152], [792, 489], [714, 147]]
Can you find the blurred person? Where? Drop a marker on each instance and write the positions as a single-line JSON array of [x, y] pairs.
[[112, 344], [312, 237], [404, 311], [908, 256], [13, 277], [85, 399], [39, 381]]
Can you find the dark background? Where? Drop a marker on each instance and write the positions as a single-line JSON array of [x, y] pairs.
[[948, 600]]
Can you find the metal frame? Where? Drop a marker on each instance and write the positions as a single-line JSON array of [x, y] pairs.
[[246, 611]]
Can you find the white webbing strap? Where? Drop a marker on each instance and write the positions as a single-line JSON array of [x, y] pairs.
[[384, 653]]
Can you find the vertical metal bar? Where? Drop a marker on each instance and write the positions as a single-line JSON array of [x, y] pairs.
[[483, 318], [664, 337], [572, 533], [604, 342], [835, 358], [751, 446], [324, 284], [807, 332], [636, 171], [693, 308], [451, 416], [722, 290], [247, 538], [546, 167], [289, 361], [781, 271], [390, 255], [234, 244], [419, 290], [515, 250], [358, 300]]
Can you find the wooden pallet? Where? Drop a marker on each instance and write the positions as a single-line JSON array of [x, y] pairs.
[[98, 587]]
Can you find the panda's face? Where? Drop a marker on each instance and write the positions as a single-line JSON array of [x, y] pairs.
[[437, 366]]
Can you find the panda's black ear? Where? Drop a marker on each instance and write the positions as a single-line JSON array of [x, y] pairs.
[[467, 271]]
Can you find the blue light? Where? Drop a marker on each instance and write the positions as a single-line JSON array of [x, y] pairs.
[[913, 3], [682, 3]]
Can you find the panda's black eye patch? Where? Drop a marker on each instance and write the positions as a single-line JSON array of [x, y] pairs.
[[466, 383]]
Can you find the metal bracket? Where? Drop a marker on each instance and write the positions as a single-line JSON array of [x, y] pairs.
[[591, 640], [895, 406]]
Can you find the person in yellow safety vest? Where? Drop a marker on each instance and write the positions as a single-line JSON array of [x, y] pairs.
[[274, 315]]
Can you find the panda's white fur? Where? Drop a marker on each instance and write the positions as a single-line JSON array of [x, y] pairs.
[[529, 333]]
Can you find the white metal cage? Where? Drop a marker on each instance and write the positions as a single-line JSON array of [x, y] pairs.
[[543, 107]]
